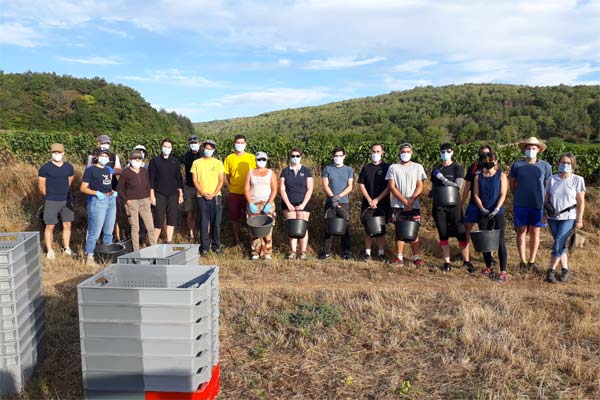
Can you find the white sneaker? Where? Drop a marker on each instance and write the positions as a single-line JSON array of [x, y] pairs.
[[50, 255], [68, 252], [254, 257], [267, 256], [89, 261]]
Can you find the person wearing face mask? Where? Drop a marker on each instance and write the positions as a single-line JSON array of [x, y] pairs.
[[406, 180], [208, 176], [190, 202], [490, 188], [54, 181], [101, 204], [376, 194], [237, 165], [296, 185], [528, 179], [166, 189], [134, 191], [565, 193], [260, 189], [449, 220], [337, 183]]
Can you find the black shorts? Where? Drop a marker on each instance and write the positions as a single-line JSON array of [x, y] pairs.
[[383, 207], [54, 209], [294, 203], [166, 206], [398, 214]]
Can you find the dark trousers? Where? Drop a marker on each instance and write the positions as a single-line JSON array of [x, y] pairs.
[[346, 244], [498, 222], [210, 214]]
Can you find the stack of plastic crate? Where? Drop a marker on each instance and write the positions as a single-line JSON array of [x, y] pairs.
[[148, 329], [163, 254], [22, 309]]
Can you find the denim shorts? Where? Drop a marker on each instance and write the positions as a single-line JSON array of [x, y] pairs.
[[526, 216]]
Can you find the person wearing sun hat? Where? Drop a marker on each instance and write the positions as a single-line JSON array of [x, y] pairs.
[[528, 179]]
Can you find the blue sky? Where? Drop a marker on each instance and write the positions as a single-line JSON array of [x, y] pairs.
[[214, 59]]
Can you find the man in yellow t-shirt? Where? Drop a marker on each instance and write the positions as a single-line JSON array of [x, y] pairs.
[[237, 165], [208, 175]]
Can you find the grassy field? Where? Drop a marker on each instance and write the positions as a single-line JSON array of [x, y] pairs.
[[340, 329]]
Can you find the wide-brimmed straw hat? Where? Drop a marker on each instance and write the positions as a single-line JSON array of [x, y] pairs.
[[532, 140]]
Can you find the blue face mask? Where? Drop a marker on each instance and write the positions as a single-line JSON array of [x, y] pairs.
[[446, 156], [565, 168], [531, 153], [208, 153]]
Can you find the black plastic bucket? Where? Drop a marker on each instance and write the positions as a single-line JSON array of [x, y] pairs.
[[127, 244], [259, 225], [486, 241], [108, 253], [373, 219], [407, 231], [336, 221], [296, 228], [446, 196]]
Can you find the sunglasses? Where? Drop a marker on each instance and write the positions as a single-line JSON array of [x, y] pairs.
[[261, 159], [446, 151], [295, 156]]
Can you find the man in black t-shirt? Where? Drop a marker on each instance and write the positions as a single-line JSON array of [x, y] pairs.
[[190, 196], [376, 195]]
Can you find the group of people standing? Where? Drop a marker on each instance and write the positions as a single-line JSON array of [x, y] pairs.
[[153, 193]]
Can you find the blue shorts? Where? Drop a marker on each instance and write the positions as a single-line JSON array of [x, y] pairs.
[[525, 216], [472, 214]]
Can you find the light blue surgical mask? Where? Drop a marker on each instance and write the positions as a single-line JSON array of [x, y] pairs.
[[565, 168], [208, 153], [531, 153], [194, 146], [166, 150], [446, 156], [103, 160]]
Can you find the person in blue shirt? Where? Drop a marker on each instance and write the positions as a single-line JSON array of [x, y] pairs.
[[528, 179], [54, 181]]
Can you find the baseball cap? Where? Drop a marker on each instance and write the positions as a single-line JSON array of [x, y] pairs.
[[211, 142], [103, 139], [97, 152], [140, 147], [57, 147], [136, 154], [193, 139], [403, 145], [262, 154]]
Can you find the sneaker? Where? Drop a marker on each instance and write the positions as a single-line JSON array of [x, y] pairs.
[[470, 267], [366, 257], [533, 266], [254, 257], [419, 262], [68, 252], [381, 257], [487, 272], [291, 256], [303, 256], [524, 266], [267, 257], [347, 256], [203, 253], [89, 261], [503, 277], [447, 267], [550, 278], [50, 255], [398, 262], [217, 251], [564, 274], [325, 256]]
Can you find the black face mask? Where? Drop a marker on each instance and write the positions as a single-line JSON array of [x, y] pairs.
[[488, 165]]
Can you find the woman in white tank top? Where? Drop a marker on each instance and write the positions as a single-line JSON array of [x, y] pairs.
[[260, 189]]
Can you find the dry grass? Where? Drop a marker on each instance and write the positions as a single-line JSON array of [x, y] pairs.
[[348, 329]]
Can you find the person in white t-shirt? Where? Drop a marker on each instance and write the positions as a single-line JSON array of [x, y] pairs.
[[564, 206]]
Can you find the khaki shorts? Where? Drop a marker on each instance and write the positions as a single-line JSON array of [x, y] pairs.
[[190, 196]]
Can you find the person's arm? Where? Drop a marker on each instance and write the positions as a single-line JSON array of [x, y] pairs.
[[580, 197], [394, 190], [219, 185], [503, 190], [476, 196], [179, 181], [466, 192], [283, 194], [85, 189], [121, 185], [71, 181], [118, 169], [247, 187], [42, 185], [418, 190], [363, 191], [273, 189], [348, 188], [310, 184]]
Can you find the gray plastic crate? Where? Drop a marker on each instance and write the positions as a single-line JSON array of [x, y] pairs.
[[19, 338], [145, 330], [9, 311], [24, 315], [102, 380], [155, 313], [162, 365], [148, 285], [156, 347], [29, 261], [163, 254], [17, 369], [25, 290], [14, 245]]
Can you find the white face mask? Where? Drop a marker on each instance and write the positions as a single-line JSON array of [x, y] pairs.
[[166, 150], [531, 153], [376, 157], [239, 146], [261, 164], [57, 157], [103, 160], [338, 160], [105, 146], [405, 157], [208, 153], [137, 163], [195, 146], [295, 160]]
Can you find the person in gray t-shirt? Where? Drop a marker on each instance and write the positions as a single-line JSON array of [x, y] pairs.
[[337, 184]]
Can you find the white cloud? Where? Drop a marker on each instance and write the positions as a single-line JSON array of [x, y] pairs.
[[17, 34], [279, 97], [174, 76], [91, 60], [284, 62], [341, 63], [412, 66], [392, 83]]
